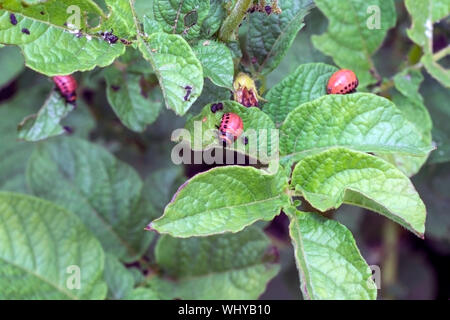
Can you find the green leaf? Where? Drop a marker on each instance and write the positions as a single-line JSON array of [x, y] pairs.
[[182, 17], [424, 13], [160, 186], [410, 102], [119, 280], [142, 294], [336, 176], [151, 26], [231, 266], [176, 67], [209, 202], [258, 128], [11, 64], [269, 37], [131, 104], [65, 52], [217, 62], [359, 121], [408, 83], [308, 82], [104, 192], [39, 245], [436, 70], [353, 35], [214, 19], [46, 123], [329, 263]]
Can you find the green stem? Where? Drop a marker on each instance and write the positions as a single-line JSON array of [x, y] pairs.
[[389, 267], [232, 22]]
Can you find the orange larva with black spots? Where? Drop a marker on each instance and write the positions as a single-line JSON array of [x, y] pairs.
[[231, 127], [67, 85], [342, 82]]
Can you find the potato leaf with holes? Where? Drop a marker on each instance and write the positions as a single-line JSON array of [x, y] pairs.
[[42, 247], [181, 17], [179, 72], [230, 266], [359, 121], [270, 37], [134, 107], [355, 32], [221, 200], [48, 44], [103, 191], [308, 82], [336, 176], [328, 260]]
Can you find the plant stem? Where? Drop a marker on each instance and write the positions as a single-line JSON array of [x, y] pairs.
[[441, 53], [235, 17]]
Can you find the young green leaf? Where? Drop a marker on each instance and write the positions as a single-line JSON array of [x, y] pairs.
[[230, 266], [176, 67], [356, 29], [135, 108], [359, 121], [46, 123], [104, 192], [408, 83], [258, 128], [308, 82], [11, 64], [436, 70], [217, 62], [338, 175], [270, 37], [181, 17], [329, 263], [119, 280], [43, 249], [66, 49], [224, 199]]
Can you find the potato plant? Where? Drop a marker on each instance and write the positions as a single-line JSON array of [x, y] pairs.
[[91, 205]]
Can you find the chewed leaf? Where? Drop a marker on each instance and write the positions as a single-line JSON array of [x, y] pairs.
[[339, 175], [46, 123]]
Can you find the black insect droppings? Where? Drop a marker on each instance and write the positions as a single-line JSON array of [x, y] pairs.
[[109, 37], [42, 13], [115, 88], [188, 92], [219, 106], [268, 9], [245, 140], [13, 19], [125, 41], [26, 31], [68, 130], [213, 108]]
